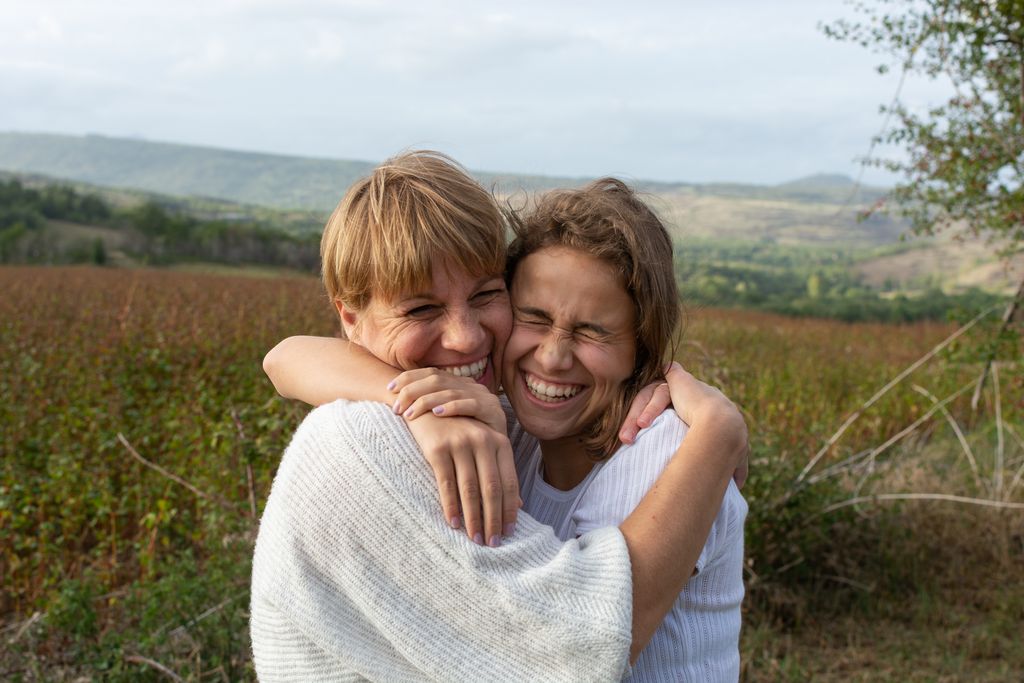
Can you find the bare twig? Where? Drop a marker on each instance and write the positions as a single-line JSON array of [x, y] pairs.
[[1008, 316], [206, 613], [23, 627], [997, 474], [879, 497], [1015, 482], [883, 391], [850, 582], [250, 480], [139, 659], [170, 475], [956, 430], [866, 459]]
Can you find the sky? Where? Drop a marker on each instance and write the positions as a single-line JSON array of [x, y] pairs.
[[738, 91]]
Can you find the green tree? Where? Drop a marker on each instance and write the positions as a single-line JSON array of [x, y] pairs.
[[964, 164]]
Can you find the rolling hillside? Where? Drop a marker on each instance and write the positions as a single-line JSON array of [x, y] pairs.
[[815, 217]]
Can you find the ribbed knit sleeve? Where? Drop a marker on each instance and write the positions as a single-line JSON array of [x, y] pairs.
[[357, 576]]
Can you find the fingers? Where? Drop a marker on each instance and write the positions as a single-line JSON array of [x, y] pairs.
[[630, 428], [650, 402], [469, 493], [411, 384], [510, 500], [491, 497], [416, 384], [447, 487], [660, 400], [487, 488]]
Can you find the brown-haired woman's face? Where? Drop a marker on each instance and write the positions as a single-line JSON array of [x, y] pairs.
[[458, 323], [573, 341]]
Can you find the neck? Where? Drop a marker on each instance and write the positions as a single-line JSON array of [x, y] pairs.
[[566, 462]]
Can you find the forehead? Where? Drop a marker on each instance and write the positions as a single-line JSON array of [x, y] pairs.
[[446, 280], [572, 286]]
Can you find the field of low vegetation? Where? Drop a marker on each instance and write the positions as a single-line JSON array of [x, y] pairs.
[[139, 438]]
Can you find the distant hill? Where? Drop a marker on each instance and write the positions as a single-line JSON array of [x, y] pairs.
[[284, 182], [291, 182]]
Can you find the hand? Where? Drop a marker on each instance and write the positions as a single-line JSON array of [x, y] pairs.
[[648, 404], [475, 473], [442, 393], [696, 401]]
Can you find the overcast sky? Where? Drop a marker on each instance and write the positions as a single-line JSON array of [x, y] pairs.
[[740, 90]]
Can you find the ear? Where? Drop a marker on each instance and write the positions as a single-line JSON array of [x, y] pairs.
[[349, 321]]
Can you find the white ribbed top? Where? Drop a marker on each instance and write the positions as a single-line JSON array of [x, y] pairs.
[[699, 639], [356, 576]]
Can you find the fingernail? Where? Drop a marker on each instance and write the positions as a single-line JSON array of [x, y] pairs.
[[438, 410], [408, 413], [495, 541], [392, 384], [509, 529], [455, 522], [396, 409], [478, 538], [628, 435]]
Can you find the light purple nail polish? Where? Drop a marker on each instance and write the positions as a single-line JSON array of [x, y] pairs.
[[396, 408], [438, 410], [455, 521], [478, 538], [408, 413], [495, 541], [509, 529], [392, 384]]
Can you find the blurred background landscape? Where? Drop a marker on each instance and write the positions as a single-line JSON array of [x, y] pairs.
[[874, 349]]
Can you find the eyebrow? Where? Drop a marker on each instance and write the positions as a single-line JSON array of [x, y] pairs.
[[484, 279], [541, 313]]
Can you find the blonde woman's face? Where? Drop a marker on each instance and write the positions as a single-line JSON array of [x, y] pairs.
[[459, 323]]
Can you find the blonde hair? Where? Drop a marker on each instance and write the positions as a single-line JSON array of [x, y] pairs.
[[389, 227], [607, 220]]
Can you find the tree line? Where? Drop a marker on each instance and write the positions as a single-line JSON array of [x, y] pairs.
[[148, 233]]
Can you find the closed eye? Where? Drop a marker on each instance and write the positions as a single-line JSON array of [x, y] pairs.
[[424, 311], [591, 333], [488, 295]]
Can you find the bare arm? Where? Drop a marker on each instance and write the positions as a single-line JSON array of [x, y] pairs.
[[472, 462], [668, 529], [318, 370]]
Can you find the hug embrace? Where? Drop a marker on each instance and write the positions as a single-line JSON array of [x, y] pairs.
[[494, 486]]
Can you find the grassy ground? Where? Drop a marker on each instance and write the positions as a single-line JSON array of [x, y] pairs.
[[110, 569]]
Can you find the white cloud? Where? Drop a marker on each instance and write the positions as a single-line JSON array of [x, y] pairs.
[[742, 90]]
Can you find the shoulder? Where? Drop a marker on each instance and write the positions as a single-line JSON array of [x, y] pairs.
[[652, 449]]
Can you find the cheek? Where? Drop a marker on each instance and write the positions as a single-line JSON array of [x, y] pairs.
[[497, 319], [611, 366], [411, 345], [520, 342]]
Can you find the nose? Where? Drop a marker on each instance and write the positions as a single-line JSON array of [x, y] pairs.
[[554, 353], [463, 332]]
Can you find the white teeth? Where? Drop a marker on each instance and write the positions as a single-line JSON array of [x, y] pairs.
[[551, 392], [474, 370]]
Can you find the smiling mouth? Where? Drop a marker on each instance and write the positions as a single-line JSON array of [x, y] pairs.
[[548, 391], [473, 370]]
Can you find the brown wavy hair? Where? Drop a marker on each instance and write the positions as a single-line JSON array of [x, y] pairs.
[[607, 220]]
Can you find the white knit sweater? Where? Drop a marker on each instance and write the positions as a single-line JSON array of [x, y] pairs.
[[356, 576]]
